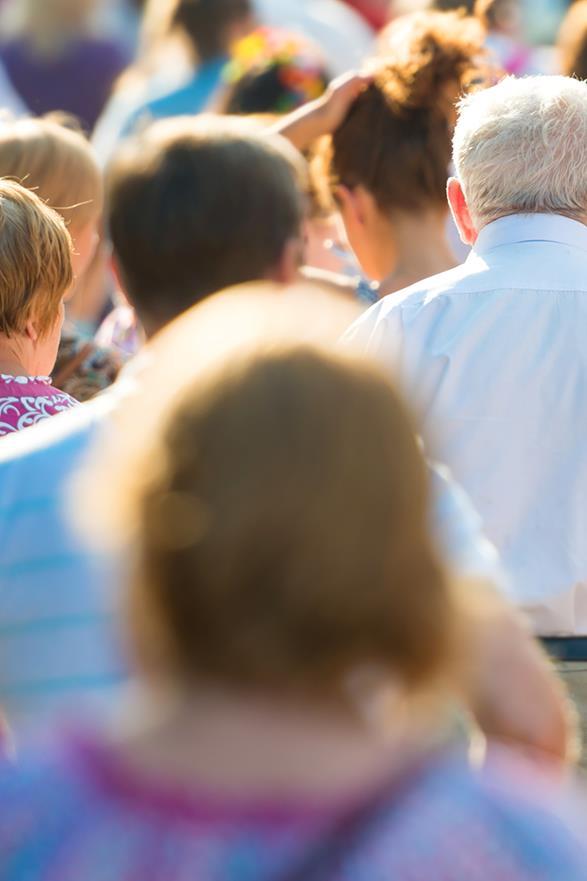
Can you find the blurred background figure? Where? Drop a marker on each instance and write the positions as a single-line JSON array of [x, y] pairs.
[[375, 12], [54, 61], [298, 646], [185, 48], [572, 41], [342, 34], [273, 72], [503, 21]]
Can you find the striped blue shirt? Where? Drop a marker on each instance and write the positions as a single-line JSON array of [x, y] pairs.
[[57, 639]]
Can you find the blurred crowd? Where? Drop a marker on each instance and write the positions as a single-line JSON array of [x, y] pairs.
[[293, 480]]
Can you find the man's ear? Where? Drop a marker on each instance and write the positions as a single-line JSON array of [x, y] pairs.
[[460, 212], [287, 268]]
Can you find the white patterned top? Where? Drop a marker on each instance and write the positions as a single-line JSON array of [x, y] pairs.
[[26, 400]]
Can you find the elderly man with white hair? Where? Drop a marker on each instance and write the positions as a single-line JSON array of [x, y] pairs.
[[494, 352]]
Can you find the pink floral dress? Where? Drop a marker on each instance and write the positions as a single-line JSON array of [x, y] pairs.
[[26, 400]]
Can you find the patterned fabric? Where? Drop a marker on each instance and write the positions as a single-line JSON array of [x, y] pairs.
[[84, 369], [82, 814], [26, 400]]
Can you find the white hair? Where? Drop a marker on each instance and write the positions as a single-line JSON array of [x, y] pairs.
[[521, 147]]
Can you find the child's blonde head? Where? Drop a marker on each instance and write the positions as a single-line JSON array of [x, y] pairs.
[[35, 261]]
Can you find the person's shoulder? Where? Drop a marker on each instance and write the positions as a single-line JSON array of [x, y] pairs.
[[385, 316], [37, 795], [499, 821], [54, 439], [453, 281], [186, 99]]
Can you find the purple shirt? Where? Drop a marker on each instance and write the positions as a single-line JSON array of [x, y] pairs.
[[26, 400], [81, 813], [79, 81]]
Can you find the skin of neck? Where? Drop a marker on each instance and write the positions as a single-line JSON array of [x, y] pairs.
[[255, 745], [409, 247], [16, 356]]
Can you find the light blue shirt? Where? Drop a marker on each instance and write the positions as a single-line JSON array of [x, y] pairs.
[[493, 354], [57, 636], [188, 100]]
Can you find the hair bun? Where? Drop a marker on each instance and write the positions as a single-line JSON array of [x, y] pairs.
[[426, 59]]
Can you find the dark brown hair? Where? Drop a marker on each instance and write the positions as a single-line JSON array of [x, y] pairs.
[[198, 205], [206, 23], [396, 139], [572, 41]]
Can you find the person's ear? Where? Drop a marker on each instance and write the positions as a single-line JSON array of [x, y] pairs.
[[460, 212], [287, 269], [31, 331], [350, 206]]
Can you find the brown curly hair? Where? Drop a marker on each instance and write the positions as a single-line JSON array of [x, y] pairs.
[[396, 138]]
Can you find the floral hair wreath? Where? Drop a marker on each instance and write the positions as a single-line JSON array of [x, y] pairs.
[[298, 64]]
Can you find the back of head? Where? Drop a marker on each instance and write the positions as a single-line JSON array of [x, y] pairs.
[[210, 24], [396, 139], [521, 147], [197, 205], [35, 261], [55, 161], [572, 41], [280, 545], [275, 72]]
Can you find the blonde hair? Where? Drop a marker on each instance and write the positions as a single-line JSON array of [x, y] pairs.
[[279, 503], [35, 260], [521, 147], [57, 162]]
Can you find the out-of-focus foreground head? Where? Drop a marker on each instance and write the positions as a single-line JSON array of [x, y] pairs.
[[272, 488], [521, 147], [195, 206]]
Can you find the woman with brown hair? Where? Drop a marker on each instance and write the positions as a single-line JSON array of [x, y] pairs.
[[297, 640], [388, 158]]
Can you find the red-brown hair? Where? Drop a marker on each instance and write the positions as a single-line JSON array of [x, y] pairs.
[[396, 139]]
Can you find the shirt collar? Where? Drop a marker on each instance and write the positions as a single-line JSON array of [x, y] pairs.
[[519, 228]]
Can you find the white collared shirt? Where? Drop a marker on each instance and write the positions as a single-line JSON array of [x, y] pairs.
[[494, 356]]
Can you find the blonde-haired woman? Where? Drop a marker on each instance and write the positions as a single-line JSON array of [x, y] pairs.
[[35, 276]]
